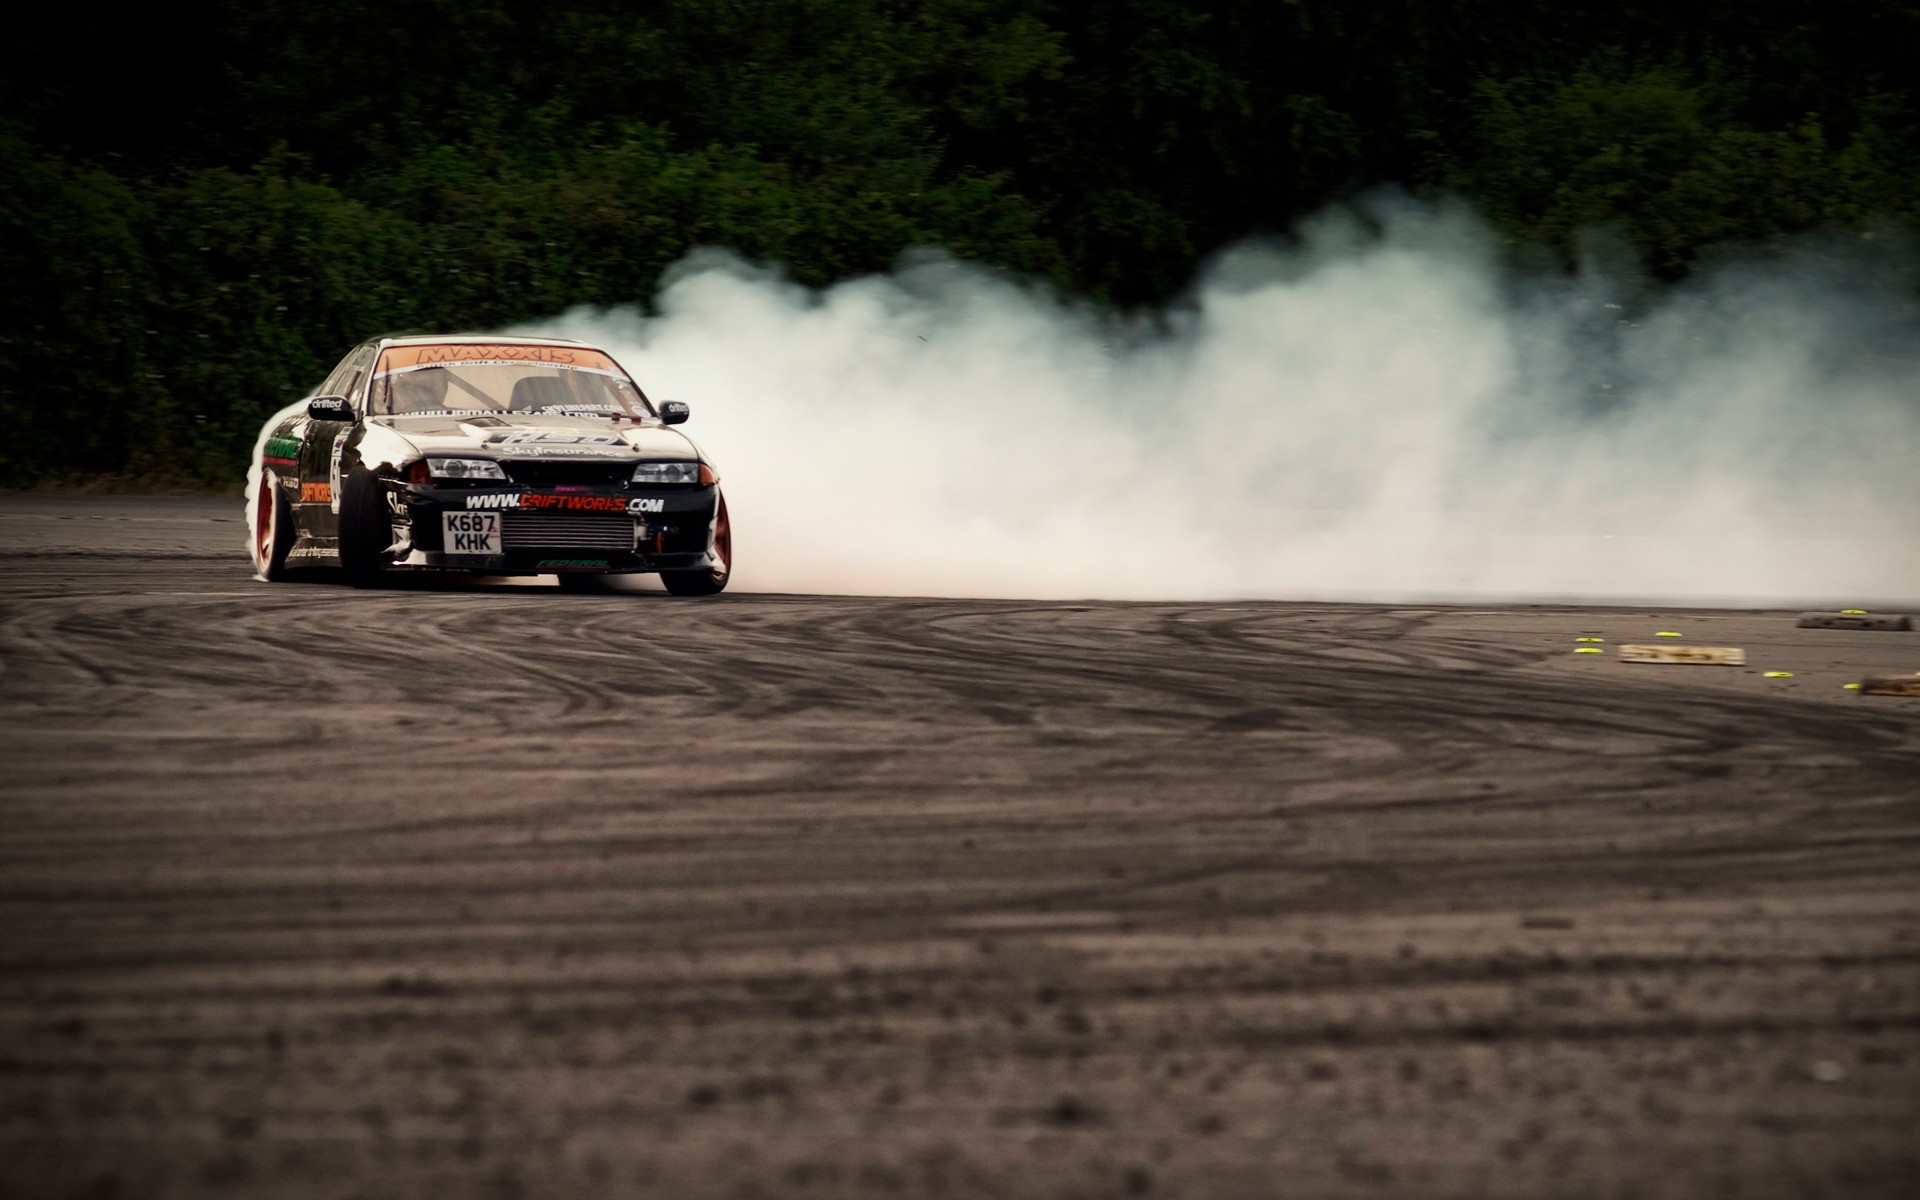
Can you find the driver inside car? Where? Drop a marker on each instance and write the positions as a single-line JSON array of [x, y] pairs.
[[424, 390]]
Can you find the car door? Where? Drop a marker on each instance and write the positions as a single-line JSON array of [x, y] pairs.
[[319, 505]]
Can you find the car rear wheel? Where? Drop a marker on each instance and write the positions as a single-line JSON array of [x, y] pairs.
[[711, 582], [272, 529], [365, 530]]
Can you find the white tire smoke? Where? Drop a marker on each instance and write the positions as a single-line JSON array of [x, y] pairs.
[[1377, 411]]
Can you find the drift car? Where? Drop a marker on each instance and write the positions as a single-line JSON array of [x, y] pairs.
[[489, 456]]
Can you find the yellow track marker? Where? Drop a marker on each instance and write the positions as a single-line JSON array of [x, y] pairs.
[[1853, 612], [1779, 674], [1589, 639], [1666, 633], [1588, 650], [1851, 687], [1711, 656]]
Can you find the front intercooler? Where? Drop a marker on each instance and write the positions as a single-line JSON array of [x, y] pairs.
[[523, 530]]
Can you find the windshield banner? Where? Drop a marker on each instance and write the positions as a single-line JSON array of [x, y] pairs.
[[404, 358]]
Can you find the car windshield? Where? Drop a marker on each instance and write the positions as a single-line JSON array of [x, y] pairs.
[[463, 379]]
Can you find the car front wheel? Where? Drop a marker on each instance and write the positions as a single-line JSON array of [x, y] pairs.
[[711, 582], [365, 529]]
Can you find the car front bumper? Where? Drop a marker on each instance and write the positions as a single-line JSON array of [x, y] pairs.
[[552, 531]]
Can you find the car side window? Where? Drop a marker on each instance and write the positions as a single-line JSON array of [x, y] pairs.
[[337, 377], [358, 366]]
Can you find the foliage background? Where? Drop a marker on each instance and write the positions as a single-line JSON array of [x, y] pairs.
[[208, 202]]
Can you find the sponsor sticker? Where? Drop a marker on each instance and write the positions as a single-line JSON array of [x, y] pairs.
[[646, 504], [573, 564], [282, 451], [578, 451], [611, 504], [553, 439], [396, 358], [470, 532], [316, 493], [549, 500]]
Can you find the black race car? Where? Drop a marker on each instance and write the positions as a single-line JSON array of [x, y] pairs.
[[488, 456]]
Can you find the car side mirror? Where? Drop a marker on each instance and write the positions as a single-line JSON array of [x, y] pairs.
[[672, 412], [330, 408]]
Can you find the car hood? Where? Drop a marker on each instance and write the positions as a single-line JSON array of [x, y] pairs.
[[538, 435]]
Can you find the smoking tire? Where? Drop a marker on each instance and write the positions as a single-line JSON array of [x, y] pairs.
[[365, 532], [272, 529], [713, 582]]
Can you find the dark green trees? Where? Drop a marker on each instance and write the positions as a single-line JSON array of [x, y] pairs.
[[288, 178]]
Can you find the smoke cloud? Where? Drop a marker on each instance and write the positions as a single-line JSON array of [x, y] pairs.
[[1376, 409]]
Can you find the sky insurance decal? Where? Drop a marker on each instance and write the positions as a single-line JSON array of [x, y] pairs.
[[545, 450]]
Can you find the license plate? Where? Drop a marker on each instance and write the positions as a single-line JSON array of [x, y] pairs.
[[470, 532]]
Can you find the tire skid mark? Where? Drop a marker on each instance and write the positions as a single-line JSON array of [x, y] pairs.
[[441, 855]]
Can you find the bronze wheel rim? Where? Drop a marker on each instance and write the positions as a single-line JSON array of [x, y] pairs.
[[263, 522], [722, 541]]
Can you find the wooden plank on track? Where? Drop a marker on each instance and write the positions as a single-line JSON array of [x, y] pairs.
[[1891, 685], [1820, 620], [1711, 656]]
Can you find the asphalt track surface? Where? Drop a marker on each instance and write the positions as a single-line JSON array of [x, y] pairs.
[[502, 892]]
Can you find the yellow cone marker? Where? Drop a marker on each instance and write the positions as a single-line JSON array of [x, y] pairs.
[[1779, 674], [1852, 687], [1588, 650], [1589, 639], [1666, 633], [1853, 612]]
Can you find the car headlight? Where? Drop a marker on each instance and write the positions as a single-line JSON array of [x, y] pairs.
[[465, 468], [667, 472]]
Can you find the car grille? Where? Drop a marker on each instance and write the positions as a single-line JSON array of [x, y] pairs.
[[521, 530], [556, 472]]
